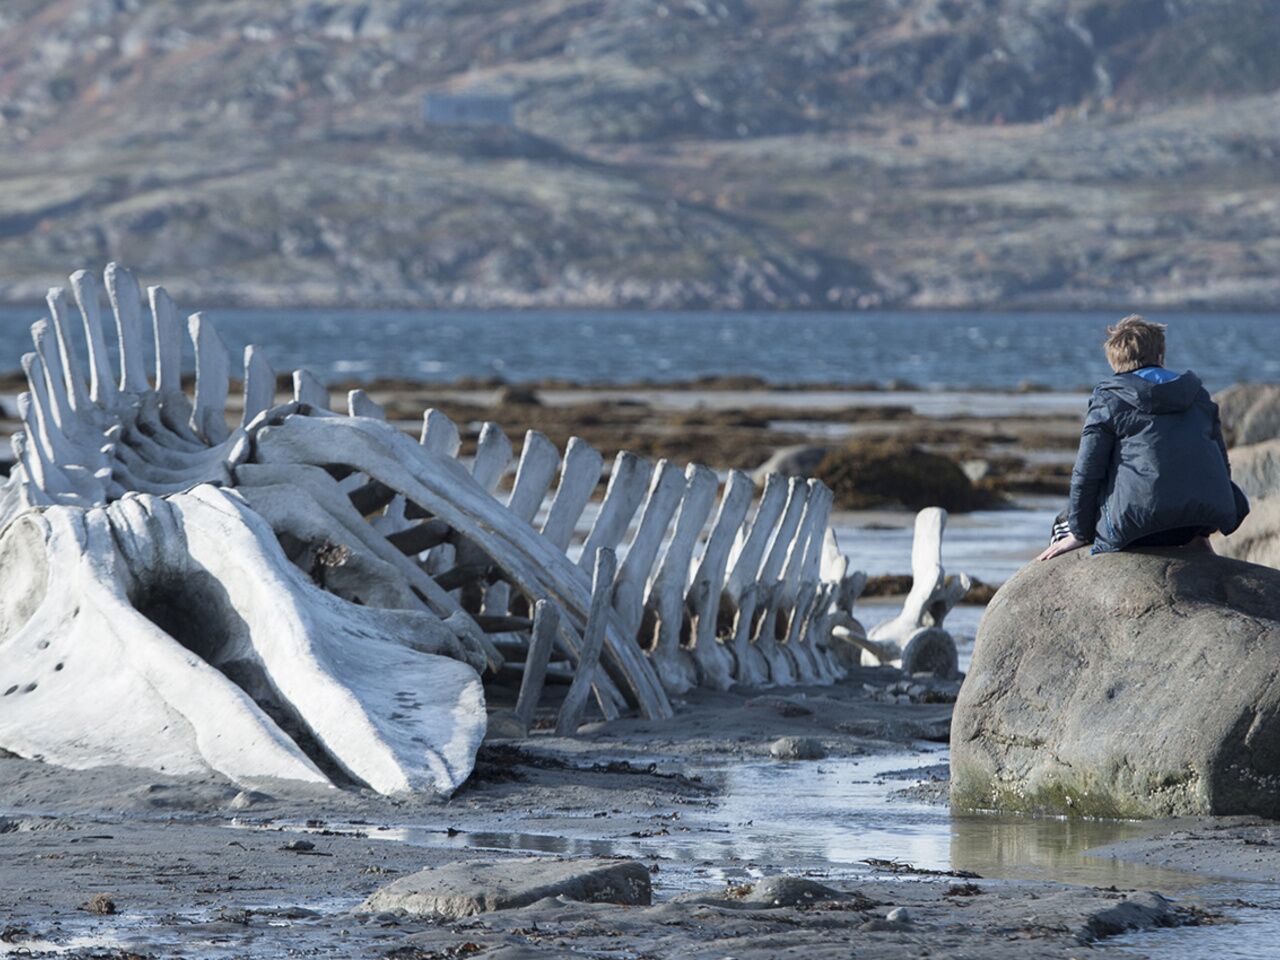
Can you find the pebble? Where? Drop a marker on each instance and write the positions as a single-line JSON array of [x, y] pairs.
[[797, 748], [898, 915], [247, 798], [100, 904]]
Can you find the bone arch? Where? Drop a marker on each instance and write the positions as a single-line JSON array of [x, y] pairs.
[[398, 574]]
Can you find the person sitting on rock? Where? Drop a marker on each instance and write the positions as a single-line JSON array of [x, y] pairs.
[[1152, 469]]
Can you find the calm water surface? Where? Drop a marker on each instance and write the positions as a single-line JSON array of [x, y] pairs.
[[933, 351]]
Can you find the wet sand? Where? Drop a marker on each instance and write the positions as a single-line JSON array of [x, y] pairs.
[[202, 867]]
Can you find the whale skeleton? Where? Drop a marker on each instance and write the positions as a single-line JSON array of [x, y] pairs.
[[314, 595]]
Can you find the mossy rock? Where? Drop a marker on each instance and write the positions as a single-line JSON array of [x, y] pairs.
[[885, 473]]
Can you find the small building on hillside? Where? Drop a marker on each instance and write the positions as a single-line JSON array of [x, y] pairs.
[[469, 109]]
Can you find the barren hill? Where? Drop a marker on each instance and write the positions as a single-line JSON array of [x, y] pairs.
[[685, 153]]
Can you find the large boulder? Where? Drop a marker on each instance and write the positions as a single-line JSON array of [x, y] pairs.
[[872, 473], [1250, 412], [1141, 684], [1256, 468], [1258, 539]]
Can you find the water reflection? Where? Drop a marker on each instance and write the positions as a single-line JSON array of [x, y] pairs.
[[1047, 848], [827, 817]]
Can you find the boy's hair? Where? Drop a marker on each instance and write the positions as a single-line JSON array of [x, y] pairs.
[[1134, 343]]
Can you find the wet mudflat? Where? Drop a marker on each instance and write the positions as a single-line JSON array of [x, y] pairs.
[[127, 863]]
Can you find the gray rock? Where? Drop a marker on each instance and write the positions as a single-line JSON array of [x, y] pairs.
[[1258, 539], [800, 460], [248, 798], [784, 891], [480, 886], [784, 706], [1250, 412], [1125, 685], [797, 748], [504, 725], [884, 925], [898, 915], [1137, 911], [1256, 468]]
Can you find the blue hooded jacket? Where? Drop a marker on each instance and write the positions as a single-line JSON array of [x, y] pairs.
[[1151, 459]]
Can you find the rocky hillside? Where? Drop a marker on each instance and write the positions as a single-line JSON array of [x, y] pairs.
[[683, 153]]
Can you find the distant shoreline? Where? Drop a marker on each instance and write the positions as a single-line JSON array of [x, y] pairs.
[[199, 303], [14, 381]]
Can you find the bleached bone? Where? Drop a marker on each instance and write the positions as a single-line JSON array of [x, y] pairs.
[[534, 473], [800, 585], [915, 638], [770, 586], [208, 418], [306, 504], [579, 475], [664, 605], [714, 659], [345, 715], [442, 487], [537, 468], [102, 388], [626, 489], [360, 404], [76, 388], [259, 384], [665, 490], [357, 524], [546, 624], [742, 587], [593, 635], [126, 304], [309, 390], [109, 603]]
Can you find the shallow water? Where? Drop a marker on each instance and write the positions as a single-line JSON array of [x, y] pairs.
[[991, 545], [821, 818]]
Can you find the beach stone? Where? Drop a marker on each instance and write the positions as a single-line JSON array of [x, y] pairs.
[[784, 706], [248, 798], [481, 886], [1139, 684], [884, 925], [505, 725], [898, 915], [797, 748], [785, 891], [798, 460], [519, 395], [1141, 910], [101, 904], [1250, 412], [878, 472]]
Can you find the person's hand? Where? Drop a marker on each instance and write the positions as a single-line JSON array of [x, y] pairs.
[[1065, 545]]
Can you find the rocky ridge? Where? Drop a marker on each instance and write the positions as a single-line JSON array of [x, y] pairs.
[[736, 153]]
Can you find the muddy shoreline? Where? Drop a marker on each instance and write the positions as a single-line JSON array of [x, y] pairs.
[[212, 869], [130, 863]]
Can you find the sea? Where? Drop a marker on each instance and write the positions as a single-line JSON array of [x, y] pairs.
[[930, 351]]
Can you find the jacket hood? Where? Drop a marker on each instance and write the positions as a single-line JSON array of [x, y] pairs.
[[1172, 396]]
